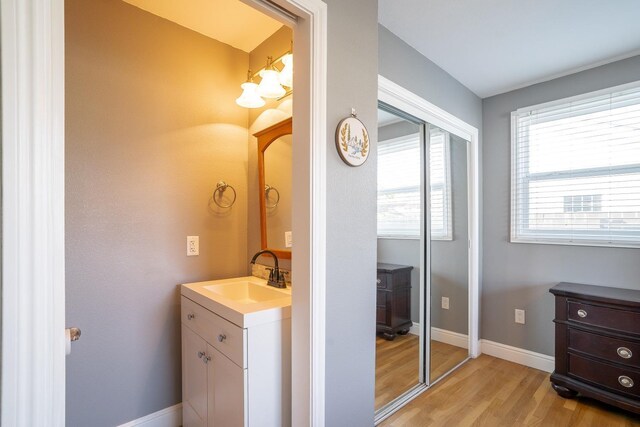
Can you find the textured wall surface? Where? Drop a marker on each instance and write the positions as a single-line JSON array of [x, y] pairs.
[[152, 125], [519, 275]]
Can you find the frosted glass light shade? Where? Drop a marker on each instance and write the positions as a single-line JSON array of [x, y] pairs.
[[286, 75], [250, 97], [270, 87]]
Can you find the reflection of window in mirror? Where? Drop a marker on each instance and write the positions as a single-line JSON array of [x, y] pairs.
[[440, 177], [399, 186]]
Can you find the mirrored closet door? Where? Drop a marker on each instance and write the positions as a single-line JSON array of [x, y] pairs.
[[449, 254], [422, 287]]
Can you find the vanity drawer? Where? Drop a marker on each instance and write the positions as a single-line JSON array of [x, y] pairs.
[[229, 339], [610, 318], [603, 374], [611, 349]]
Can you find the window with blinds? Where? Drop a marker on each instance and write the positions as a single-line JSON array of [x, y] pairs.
[[576, 170], [399, 200]]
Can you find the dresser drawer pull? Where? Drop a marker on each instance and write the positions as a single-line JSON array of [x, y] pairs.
[[200, 354], [191, 316], [222, 337], [624, 352], [582, 313], [625, 381], [378, 281]]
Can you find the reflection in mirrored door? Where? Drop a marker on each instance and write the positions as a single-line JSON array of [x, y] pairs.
[[399, 287], [449, 251]]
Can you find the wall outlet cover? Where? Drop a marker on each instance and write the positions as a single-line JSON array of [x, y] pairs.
[[193, 245], [445, 303], [519, 316], [287, 239]]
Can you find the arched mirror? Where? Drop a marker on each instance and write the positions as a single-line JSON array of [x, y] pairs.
[[274, 179]]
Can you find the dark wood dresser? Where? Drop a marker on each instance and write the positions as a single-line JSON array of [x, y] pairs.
[[393, 305], [598, 344]]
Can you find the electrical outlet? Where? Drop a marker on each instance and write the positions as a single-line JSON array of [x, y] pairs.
[[193, 245], [519, 316], [287, 239], [445, 303]]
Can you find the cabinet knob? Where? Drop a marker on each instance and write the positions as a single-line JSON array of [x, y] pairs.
[[200, 354], [582, 313], [378, 281], [625, 381], [206, 359], [624, 352], [222, 337], [191, 316]]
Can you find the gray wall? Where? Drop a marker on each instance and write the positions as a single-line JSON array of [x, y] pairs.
[[351, 217], [151, 126], [520, 275], [405, 66]]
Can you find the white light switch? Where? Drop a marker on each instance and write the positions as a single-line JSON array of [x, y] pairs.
[[193, 245], [519, 316], [445, 303], [287, 239]]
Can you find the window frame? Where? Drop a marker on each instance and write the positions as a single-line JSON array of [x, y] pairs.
[[520, 211]]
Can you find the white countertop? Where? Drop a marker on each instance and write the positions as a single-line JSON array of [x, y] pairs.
[[244, 315]]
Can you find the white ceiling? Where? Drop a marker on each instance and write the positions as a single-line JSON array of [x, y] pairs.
[[229, 21], [494, 46]]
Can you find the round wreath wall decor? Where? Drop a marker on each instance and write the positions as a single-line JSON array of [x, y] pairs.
[[352, 141]]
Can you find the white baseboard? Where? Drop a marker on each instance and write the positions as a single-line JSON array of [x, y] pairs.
[[450, 337], [415, 329], [442, 335], [518, 355], [167, 417]]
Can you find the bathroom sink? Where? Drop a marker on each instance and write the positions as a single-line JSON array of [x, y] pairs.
[[246, 292], [244, 301]]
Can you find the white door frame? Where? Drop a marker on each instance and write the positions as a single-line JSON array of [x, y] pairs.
[[33, 281], [397, 96]]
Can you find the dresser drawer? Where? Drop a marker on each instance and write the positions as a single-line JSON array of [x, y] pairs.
[[603, 374], [610, 318], [611, 349], [381, 281], [223, 335]]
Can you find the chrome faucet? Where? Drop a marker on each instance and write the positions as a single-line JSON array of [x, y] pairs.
[[276, 278]]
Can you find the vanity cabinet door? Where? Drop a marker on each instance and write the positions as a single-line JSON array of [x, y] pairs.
[[227, 391], [194, 379]]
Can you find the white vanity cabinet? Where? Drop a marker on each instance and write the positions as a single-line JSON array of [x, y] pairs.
[[234, 375]]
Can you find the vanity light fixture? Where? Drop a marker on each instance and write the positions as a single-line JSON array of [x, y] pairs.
[[286, 75], [270, 86], [249, 97], [271, 83]]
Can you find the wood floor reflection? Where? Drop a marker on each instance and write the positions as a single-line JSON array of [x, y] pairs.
[[397, 364], [396, 367], [445, 357]]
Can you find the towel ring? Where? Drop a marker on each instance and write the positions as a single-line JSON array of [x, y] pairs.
[[221, 187], [267, 189]]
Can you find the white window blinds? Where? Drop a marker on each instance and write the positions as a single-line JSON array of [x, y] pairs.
[[399, 200], [576, 170], [399, 206]]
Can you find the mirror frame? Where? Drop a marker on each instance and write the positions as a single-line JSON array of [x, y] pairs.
[[265, 138]]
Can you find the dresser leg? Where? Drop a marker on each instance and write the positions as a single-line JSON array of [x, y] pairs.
[[389, 336], [403, 332], [564, 392]]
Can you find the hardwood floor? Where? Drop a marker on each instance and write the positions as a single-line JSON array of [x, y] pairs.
[[397, 364], [396, 367], [492, 392], [445, 357]]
